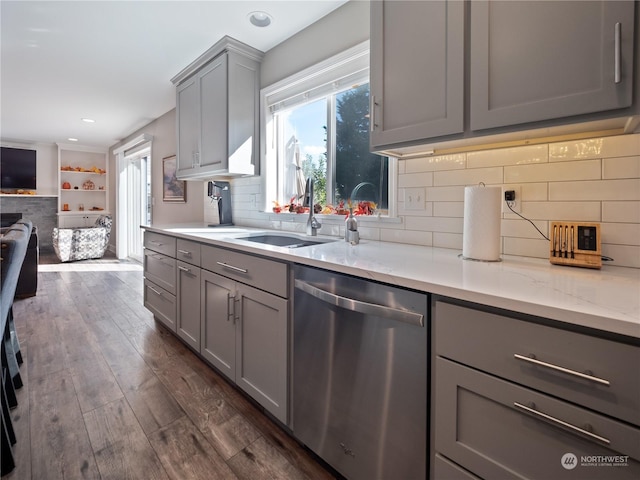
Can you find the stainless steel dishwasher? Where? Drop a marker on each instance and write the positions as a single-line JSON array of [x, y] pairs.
[[360, 375]]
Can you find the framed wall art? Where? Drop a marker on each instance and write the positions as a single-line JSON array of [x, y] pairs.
[[173, 190]]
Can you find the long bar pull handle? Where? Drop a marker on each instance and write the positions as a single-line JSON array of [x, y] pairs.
[[184, 269], [230, 306], [372, 113], [561, 423], [155, 291], [231, 267], [557, 368], [617, 52], [350, 304], [185, 252], [156, 243]]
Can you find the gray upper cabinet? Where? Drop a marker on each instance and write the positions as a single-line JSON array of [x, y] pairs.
[[217, 112], [450, 74], [417, 70], [535, 60]]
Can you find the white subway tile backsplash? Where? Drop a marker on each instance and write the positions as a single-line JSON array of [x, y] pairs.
[[623, 167], [623, 255], [620, 233], [616, 146], [567, 211], [413, 237], [424, 179], [534, 192], [508, 156], [435, 224], [440, 162], [523, 229], [445, 194], [627, 189], [526, 247], [448, 209], [473, 176], [447, 240], [621, 212], [553, 172]]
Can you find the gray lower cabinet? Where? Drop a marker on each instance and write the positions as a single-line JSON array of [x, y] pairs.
[[188, 318], [160, 278], [244, 335], [515, 398]]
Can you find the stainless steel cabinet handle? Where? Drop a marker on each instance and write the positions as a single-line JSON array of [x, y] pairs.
[[617, 52], [231, 267], [585, 376], [405, 316], [184, 269], [156, 243], [372, 113], [230, 306], [560, 423], [184, 252], [155, 291]]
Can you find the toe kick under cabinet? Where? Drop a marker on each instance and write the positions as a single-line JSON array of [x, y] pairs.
[[230, 307], [513, 398]]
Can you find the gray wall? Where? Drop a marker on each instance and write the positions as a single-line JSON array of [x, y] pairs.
[[343, 28]]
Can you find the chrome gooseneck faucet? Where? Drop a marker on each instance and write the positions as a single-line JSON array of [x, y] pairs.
[[312, 223]]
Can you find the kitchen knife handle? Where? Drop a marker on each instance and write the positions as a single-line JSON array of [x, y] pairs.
[[617, 50]]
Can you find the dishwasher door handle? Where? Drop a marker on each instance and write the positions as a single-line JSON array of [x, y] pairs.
[[366, 308]]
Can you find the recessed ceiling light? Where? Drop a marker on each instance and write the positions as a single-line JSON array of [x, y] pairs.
[[72, 139], [88, 120], [260, 19]]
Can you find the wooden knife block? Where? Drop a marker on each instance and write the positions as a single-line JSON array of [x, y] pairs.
[[576, 244]]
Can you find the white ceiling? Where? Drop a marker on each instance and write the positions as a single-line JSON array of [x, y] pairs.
[[112, 61]]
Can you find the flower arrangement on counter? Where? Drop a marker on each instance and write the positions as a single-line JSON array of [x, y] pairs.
[[360, 208]]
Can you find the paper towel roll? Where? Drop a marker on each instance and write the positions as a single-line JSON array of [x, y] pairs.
[[481, 234]]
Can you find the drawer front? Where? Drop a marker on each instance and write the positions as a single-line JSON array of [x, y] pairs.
[[160, 243], [188, 251], [444, 469], [480, 425], [161, 270], [258, 272], [161, 303], [504, 346]]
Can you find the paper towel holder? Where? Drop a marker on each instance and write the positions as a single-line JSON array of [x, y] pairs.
[[481, 204]]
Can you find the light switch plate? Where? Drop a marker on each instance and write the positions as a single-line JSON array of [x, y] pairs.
[[414, 198]]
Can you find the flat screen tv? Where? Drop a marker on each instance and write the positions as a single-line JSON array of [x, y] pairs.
[[17, 169]]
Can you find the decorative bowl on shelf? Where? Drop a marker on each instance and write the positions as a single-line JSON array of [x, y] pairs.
[[66, 185], [88, 185]]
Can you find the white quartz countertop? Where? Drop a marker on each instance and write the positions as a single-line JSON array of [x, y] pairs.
[[606, 299]]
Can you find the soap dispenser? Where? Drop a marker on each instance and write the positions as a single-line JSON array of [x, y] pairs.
[[351, 234]]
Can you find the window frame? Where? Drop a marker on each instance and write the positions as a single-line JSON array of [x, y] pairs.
[[324, 79]]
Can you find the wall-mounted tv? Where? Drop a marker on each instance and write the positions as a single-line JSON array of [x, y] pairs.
[[17, 169]]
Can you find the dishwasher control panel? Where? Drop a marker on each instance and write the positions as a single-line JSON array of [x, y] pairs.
[[575, 244]]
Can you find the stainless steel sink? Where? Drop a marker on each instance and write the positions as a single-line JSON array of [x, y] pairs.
[[283, 240]]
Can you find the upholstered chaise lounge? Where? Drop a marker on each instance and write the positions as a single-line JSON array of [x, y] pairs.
[[72, 244]]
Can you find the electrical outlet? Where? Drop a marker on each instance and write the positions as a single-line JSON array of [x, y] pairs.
[[414, 198], [516, 204]]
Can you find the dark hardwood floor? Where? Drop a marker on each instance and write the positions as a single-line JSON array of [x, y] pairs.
[[110, 394]]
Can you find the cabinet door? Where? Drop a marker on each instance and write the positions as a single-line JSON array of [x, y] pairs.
[[188, 124], [213, 117], [261, 349], [535, 60], [188, 321], [218, 323], [417, 70]]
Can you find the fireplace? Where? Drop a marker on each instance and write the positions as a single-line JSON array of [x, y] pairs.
[[8, 219]]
